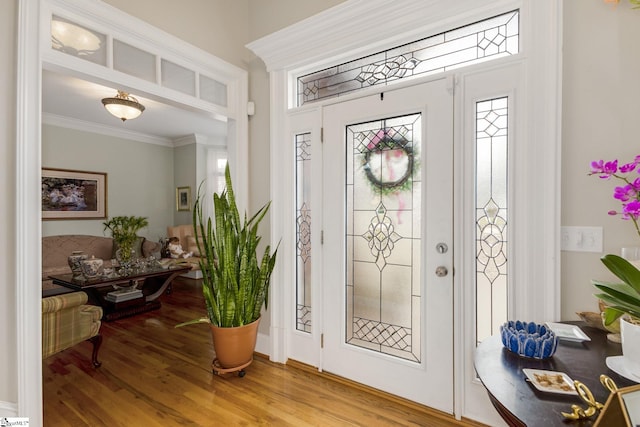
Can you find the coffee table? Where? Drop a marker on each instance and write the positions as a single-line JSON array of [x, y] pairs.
[[152, 283]]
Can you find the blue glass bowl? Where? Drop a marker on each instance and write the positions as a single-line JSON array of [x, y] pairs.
[[529, 339]]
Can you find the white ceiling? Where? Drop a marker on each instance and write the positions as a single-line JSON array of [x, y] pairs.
[[72, 102]]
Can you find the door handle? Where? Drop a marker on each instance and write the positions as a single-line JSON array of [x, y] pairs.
[[441, 271]]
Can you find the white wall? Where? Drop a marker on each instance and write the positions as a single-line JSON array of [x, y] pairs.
[[601, 103], [8, 39], [139, 178]]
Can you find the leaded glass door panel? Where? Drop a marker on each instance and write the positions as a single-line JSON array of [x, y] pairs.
[[387, 205]]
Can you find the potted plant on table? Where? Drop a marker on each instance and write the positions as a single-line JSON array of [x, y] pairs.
[[124, 231], [622, 300], [234, 284]]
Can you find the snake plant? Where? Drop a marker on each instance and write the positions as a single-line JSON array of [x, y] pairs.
[[235, 285]]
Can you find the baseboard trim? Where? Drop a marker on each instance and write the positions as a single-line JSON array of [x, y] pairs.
[[193, 274], [8, 409], [427, 411]]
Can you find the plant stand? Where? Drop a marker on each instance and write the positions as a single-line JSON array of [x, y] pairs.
[[219, 370]]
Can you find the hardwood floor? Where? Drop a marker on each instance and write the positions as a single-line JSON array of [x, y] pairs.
[[155, 375]]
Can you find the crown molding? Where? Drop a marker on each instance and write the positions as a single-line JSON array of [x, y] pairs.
[[82, 125], [362, 27]]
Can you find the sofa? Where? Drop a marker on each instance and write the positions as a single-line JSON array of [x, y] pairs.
[[188, 241], [67, 320], [56, 250]]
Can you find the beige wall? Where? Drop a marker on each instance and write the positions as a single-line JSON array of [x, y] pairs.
[[140, 183], [601, 90], [269, 16], [219, 27], [8, 42], [601, 102]]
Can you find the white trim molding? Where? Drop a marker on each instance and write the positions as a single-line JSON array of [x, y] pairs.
[[348, 31], [33, 54], [28, 222]]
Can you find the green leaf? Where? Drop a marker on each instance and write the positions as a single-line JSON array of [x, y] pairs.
[[611, 314], [235, 285], [623, 269]]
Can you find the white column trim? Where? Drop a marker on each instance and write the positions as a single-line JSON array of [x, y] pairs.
[[28, 224], [280, 196], [32, 22]]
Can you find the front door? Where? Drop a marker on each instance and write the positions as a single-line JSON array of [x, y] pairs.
[[387, 221]]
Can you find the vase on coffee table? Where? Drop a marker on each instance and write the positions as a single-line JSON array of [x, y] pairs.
[[75, 263]]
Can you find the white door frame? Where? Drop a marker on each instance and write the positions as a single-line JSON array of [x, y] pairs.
[[345, 32], [33, 52]]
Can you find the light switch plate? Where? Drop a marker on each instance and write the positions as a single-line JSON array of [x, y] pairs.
[[581, 239]]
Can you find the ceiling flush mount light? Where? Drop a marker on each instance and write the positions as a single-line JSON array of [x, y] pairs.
[[73, 39], [123, 106]]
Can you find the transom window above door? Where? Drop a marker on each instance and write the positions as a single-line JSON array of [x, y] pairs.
[[484, 40]]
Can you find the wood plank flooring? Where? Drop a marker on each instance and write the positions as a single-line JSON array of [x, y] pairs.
[[155, 375]]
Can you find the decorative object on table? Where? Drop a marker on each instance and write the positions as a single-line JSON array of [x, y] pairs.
[[592, 319], [235, 285], [629, 194], [109, 273], [623, 302], [585, 394], [568, 332], [72, 194], [124, 232], [91, 267], [628, 364], [624, 298], [621, 409], [75, 263], [550, 381], [596, 320], [124, 294], [183, 198], [529, 339]]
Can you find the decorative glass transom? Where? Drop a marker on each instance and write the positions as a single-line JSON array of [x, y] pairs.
[[107, 50], [491, 216], [481, 41], [383, 236], [303, 232]]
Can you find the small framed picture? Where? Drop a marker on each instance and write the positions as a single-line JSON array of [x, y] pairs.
[[622, 408], [183, 198], [72, 194]]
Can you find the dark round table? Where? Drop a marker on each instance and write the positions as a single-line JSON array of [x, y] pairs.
[[520, 403]]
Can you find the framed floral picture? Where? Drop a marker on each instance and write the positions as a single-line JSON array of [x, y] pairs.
[[183, 198], [73, 194]]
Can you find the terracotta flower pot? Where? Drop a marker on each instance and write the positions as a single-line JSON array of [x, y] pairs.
[[234, 346]]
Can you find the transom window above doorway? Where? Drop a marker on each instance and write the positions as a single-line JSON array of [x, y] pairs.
[[484, 40], [107, 50]]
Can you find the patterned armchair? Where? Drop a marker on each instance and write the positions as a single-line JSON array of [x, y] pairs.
[[66, 321]]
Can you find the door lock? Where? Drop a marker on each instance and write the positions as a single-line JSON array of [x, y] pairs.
[[441, 271], [442, 248]]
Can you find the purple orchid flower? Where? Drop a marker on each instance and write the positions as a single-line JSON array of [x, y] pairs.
[[629, 193], [604, 169], [631, 210]]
